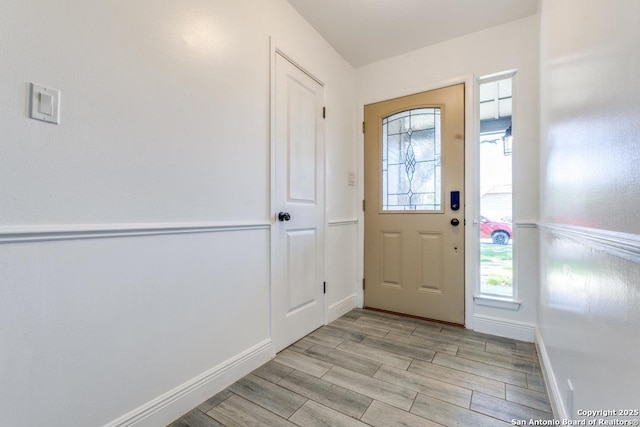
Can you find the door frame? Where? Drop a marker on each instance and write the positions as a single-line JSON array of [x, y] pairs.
[[471, 189], [275, 49]]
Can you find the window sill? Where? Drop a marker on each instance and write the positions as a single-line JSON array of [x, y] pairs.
[[498, 302]]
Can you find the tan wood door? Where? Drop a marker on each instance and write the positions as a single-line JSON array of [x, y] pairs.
[[414, 164], [298, 230]]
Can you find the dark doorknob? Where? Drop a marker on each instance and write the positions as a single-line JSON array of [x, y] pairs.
[[455, 222], [284, 216]]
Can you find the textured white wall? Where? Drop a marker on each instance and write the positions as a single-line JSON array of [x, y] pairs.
[[505, 47], [342, 263], [168, 95], [93, 329], [165, 126], [590, 89], [589, 312]]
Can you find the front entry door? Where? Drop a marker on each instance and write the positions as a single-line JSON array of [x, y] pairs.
[[414, 219], [298, 231]]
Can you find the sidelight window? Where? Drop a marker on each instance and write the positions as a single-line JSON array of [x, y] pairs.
[[494, 223]]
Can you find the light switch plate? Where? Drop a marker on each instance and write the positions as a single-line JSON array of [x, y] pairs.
[[45, 103], [351, 179]]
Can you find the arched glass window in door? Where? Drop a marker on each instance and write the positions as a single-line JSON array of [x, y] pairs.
[[411, 166]]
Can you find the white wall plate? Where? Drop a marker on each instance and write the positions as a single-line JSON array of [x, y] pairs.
[[45, 103]]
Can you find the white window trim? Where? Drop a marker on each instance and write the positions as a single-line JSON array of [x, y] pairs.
[[498, 302]]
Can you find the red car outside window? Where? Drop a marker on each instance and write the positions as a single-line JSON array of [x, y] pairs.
[[499, 232]]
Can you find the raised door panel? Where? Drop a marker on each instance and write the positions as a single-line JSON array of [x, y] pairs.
[[301, 147], [430, 269], [391, 260], [302, 255]]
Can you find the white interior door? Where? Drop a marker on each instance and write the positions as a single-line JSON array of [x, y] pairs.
[[298, 231]]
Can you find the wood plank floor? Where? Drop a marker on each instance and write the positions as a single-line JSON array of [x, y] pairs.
[[377, 369]]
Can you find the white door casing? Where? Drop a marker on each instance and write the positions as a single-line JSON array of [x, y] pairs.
[[297, 242]]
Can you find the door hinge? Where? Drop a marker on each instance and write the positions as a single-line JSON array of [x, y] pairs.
[[324, 287], [324, 112], [362, 205], [363, 285], [363, 126]]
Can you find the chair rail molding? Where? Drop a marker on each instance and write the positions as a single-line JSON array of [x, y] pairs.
[[623, 245], [45, 233], [342, 222]]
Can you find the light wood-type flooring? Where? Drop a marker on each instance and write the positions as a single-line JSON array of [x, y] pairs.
[[377, 369]]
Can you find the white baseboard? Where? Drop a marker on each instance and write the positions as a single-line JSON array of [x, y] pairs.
[[555, 396], [504, 328], [175, 403], [341, 308]]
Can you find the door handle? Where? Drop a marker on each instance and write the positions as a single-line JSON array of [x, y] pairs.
[[284, 216], [455, 222]]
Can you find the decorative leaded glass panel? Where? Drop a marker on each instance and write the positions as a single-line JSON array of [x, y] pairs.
[[411, 161]]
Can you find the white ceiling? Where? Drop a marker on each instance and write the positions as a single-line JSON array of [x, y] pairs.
[[366, 31]]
